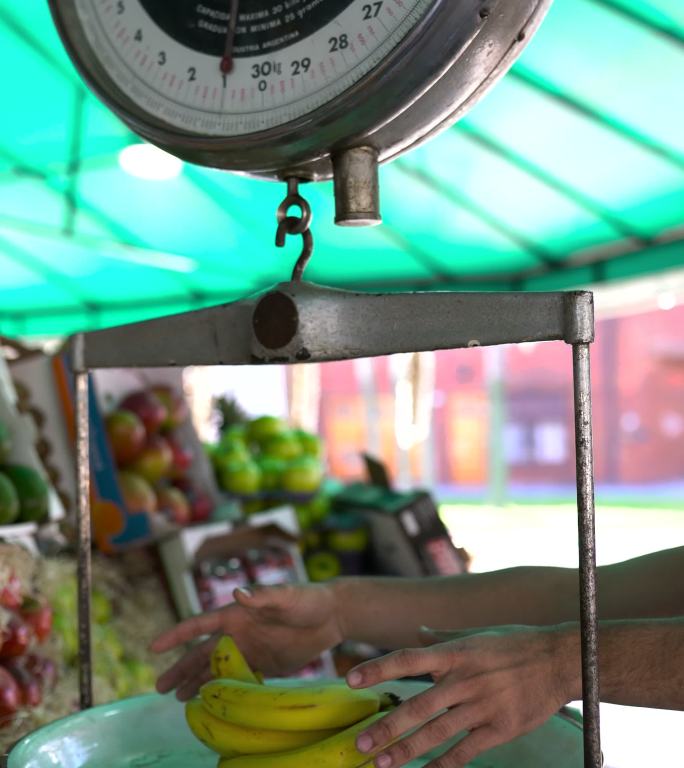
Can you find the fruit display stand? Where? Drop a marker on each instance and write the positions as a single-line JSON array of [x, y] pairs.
[[172, 460], [296, 322], [128, 509]]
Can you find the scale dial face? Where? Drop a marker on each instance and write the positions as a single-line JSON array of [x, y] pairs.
[[192, 66]]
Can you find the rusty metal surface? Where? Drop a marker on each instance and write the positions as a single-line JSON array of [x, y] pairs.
[[84, 570], [326, 324], [357, 187], [587, 551]]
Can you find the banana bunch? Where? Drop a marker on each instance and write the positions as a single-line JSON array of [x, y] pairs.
[[252, 725], [228, 662]]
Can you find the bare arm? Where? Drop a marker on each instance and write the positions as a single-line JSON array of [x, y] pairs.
[[641, 662], [389, 612]]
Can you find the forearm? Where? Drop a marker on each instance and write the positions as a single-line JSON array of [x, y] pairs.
[[389, 612], [641, 662]]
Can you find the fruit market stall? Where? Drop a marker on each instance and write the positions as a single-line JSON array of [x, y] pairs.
[[425, 72]]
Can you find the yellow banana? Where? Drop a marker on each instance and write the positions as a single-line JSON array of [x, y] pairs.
[[289, 708], [228, 739], [338, 751], [228, 662]]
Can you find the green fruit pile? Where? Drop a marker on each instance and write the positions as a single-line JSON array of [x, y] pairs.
[[23, 492], [264, 462], [117, 671]]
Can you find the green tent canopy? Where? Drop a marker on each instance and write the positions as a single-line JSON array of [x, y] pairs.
[[571, 172]]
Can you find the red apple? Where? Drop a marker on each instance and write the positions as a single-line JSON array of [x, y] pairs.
[[126, 434], [174, 402], [10, 697], [182, 458], [29, 685], [148, 408], [154, 463], [138, 494], [184, 484], [201, 507], [16, 637], [10, 594], [38, 615], [175, 504]]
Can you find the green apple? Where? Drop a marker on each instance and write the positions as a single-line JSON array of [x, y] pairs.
[[323, 565], [302, 475], [284, 446], [272, 469], [241, 477], [261, 429], [311, 444], [304, 517], [235, 432], [317, 509], [233, 449]]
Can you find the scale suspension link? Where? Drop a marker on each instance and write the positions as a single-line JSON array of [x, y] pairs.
[[295, 225]]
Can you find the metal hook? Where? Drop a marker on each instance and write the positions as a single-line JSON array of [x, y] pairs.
[[295, 225], [289, 226]]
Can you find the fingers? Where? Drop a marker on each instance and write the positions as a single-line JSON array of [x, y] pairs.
[[417, 711], [409, 662], [190, 629], [474, 744], [429, 636], [276, 597], [190, 688], [431, 735], [186, 669]]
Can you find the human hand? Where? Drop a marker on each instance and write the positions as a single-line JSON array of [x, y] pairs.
[[495, 684], [278, 629]]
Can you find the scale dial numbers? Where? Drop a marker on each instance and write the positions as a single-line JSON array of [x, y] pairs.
[[288, 58]]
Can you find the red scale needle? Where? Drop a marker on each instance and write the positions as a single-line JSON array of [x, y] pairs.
[[227, 60]]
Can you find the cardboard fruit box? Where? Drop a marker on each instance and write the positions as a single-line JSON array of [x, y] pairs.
[[408, 538]]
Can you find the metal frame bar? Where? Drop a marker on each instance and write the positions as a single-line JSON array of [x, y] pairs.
[[587, 552], [491, 144], [84, 571], [275, 327], [656, 26], [459, 199], [613, 123]]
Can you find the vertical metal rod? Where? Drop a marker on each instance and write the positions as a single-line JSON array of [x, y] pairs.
[[587, 556], [84, 533]]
